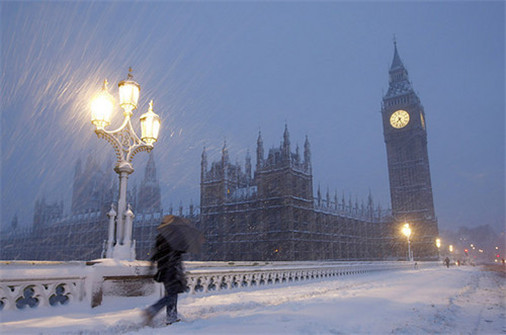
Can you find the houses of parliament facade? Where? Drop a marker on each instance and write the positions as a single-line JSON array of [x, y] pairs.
[[265, 212], [271, 214]]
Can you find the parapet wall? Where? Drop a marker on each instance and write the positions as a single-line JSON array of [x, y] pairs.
[[27, 285]]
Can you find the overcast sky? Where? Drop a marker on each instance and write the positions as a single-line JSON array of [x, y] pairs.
[[225, 70]]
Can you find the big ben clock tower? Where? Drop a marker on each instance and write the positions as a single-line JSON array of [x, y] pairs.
[[404, 129]]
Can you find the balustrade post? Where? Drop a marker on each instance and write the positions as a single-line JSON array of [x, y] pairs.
[[110, 238]]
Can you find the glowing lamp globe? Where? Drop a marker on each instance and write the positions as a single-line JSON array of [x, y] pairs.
[[102, 106], [406, 230], [150, 126], [128, 93]]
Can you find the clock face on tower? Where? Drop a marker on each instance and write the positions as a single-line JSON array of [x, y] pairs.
[[399, 119]]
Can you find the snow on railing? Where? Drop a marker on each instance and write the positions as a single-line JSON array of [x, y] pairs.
[[37, 284], [204, 281], [20, 294]]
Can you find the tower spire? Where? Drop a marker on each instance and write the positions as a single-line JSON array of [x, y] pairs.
[[203, 164], [247, 166], [150, 172], [224, 153], [399, 83], [396, 62], [307, 155], [260, 150], [286, 144]]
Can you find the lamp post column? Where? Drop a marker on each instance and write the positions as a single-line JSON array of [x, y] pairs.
[[406, 230], [124, 169], [409, 249], [438, 245]]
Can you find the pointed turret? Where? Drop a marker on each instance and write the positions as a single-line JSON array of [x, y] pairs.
[[260, 151], [150, 172], [319, 196], [224, 154], [286, 143], [307, 155], [203, 165], [247, 166], [148, 198], [224, 161]]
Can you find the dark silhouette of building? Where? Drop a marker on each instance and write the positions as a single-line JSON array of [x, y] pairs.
[[272, 214], [405, 134], [44, 213], [149, 196], [81, 235], [93, 188]]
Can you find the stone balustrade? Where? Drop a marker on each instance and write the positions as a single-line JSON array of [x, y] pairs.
[[25, 285], [223, 279], [29, 293]]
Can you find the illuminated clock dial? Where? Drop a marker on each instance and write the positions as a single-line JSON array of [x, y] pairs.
[[399, 119], [423, 120]]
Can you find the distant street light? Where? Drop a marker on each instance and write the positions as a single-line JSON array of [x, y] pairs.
[[126, 145], [450, 248], [406, 230]]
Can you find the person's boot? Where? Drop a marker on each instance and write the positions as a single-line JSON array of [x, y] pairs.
[[169, 322], [147, 316]]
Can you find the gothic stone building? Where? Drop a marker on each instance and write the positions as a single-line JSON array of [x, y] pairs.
[[271, 214]]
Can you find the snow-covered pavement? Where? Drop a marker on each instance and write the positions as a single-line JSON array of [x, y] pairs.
[[464, 300]]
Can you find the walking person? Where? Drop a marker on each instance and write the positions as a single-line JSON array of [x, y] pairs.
[[175, 237], [447, 262], [171, 274]]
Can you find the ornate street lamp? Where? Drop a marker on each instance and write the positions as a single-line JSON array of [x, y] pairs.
[[406, 230], [126, 145]]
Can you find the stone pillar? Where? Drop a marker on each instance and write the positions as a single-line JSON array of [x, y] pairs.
[[110, 240]]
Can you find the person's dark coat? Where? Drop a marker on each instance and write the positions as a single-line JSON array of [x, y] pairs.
[[170, 266]]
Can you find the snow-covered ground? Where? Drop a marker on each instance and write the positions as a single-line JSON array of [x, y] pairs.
[[459, 300]]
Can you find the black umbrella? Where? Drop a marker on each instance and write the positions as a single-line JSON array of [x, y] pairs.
[[180, 234]]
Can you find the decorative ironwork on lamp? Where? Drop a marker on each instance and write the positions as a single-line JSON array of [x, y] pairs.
[[126, 145]]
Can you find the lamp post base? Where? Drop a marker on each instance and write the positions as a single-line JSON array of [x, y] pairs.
[[124, 252]]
